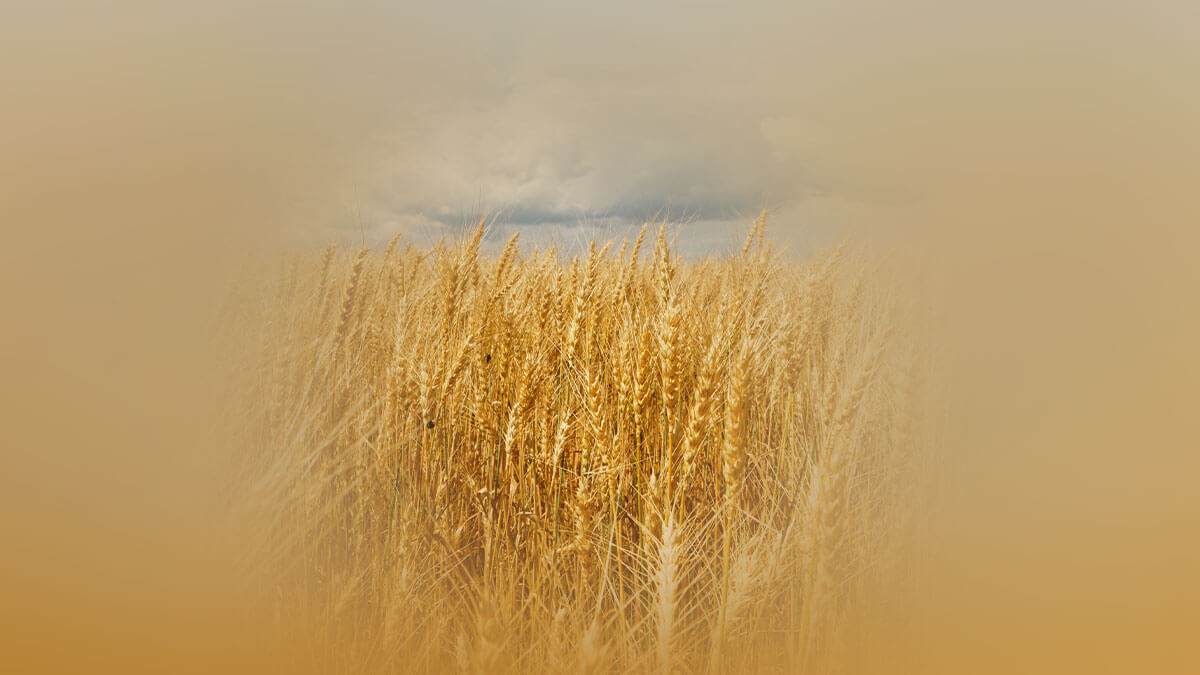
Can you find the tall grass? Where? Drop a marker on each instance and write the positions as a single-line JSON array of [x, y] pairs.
[[598, 463]]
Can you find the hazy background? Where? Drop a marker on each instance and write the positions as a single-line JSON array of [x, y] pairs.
[[1041, 159]]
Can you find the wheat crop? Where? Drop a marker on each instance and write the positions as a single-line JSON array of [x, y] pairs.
[[599, 462]]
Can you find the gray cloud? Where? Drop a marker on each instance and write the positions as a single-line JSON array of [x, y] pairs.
[[551, 116], [557, 115]]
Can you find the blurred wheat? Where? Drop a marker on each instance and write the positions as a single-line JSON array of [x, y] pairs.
[[608, 463]]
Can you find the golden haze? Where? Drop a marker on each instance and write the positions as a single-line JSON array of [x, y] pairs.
[[1043, 162]]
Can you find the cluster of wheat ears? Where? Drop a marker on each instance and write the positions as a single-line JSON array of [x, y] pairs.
[[612, 461]]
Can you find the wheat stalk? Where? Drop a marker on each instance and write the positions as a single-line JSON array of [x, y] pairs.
[[499, 457]]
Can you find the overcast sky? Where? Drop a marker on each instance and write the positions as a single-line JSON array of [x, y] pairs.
[[562, 118], [567, 118], [556, 115]]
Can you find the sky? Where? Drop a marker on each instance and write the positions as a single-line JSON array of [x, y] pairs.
[[573, 118], [359, 119], [559, 119]]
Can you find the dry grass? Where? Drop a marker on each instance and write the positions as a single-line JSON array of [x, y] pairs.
[[610, 463]]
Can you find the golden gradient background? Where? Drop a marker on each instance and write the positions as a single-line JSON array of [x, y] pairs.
[[1041, 159]]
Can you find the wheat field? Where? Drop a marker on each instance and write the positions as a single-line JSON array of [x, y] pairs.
[[611, 461]]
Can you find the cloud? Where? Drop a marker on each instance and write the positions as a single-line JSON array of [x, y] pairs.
[[557, 152], [553, 117]]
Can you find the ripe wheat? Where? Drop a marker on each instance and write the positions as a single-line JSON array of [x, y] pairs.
[[533, 462]]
